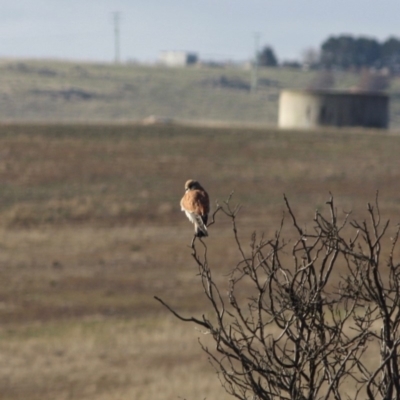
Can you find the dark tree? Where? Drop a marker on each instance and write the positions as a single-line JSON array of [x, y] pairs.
[[367, 52], [284, 331], [293, 64], [267, 58], [390, 54], [349, 52], [338, 51]]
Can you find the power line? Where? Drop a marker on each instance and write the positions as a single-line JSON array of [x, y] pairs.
[[117, 19], [254, 80]]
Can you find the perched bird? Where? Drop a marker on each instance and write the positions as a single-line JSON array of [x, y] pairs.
[[196, 204]]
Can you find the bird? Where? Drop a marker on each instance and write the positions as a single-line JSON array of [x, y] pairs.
[[196, 205]]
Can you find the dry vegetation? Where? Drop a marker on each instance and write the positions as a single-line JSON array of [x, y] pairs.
[[45, 90], [90, 231]]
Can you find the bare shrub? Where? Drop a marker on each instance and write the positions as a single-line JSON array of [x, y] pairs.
[[373, 81], [324, 79], [283, 330]]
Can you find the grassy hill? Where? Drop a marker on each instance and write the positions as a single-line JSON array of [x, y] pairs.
[[86, 92]]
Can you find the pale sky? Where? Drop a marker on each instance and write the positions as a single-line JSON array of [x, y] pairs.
[[215, 29]]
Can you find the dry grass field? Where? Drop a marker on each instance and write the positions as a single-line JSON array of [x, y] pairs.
[[90, 231], [48, 90]]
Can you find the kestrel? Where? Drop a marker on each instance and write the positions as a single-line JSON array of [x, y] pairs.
[[196, 204]]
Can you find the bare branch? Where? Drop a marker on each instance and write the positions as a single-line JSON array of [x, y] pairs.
[[284, 331]]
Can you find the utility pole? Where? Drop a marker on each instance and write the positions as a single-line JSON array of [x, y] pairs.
[[116, 36], [254, 80]]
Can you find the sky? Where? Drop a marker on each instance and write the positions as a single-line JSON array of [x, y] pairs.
[[83, 30]]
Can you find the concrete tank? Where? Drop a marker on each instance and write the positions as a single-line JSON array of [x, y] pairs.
[[313, 108]]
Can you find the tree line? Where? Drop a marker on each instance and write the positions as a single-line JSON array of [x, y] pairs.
[[344, 52]]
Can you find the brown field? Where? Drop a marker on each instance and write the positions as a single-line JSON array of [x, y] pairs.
[[90, 231]]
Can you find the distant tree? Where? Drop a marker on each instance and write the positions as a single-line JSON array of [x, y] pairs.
[[291, 64], [367, 52], [347, 52], [267, 57], [310, 57], [337, 51], [390, 54]]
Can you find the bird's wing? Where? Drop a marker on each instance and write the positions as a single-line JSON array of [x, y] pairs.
[[198, 222], [196, 205], [196, 201]]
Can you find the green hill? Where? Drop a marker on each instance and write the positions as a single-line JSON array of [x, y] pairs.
[[55, 91]]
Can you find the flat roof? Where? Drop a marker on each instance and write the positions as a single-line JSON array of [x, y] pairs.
[[333, 92]]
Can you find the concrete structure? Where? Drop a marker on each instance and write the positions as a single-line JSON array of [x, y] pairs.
[[178, 58], [313, 108]]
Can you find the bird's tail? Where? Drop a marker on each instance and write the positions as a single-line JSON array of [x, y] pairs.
[[200, 227]]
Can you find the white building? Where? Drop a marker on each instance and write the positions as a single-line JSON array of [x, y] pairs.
[[178, 58], [305, 109]]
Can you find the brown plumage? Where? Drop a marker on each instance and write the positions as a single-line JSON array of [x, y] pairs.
[[196, 205]]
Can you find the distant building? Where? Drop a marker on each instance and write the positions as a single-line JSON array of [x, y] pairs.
[[305, 109], [178, 58]]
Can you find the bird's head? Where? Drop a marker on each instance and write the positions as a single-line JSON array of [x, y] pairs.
[[192, 185]]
